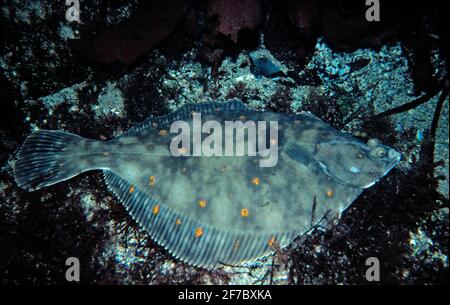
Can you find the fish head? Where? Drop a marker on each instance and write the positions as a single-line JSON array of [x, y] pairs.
[[357, 164]]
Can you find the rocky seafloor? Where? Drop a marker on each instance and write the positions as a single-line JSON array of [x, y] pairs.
[[389, 82]]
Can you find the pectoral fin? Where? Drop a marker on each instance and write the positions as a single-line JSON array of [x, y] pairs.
[[300, 154]]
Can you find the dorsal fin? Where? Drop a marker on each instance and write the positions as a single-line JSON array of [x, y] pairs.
[[185, 111], [177, 233]]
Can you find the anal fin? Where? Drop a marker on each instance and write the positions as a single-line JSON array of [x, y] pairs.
[[179, 234]]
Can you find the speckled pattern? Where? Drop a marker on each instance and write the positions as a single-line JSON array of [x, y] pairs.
[[402, 220], [217, 209]]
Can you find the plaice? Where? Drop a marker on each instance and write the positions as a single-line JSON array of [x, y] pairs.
[[210, 210]]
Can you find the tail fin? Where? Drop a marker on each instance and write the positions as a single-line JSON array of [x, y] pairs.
[[46, 158]]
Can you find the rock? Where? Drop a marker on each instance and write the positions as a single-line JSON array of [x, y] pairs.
[[305, 15], [233, 16], [152, 23], [344, 30], [263, 66]]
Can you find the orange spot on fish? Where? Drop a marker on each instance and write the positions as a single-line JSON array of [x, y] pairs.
[[156, 209], [131, 190], [273, 141], [329, 193], [178, 222], [162, 132], [244, 212], [202, 203], [256, 181], [151, 181], [242, 117], [198, 232], [271, 242]]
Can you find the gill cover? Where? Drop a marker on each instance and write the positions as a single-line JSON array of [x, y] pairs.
[[356, 164]]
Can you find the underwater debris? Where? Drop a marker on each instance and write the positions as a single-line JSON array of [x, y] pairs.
[[262, 66], [421, 100], [110, 102]]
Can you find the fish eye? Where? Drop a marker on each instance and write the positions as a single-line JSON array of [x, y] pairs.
[[378, 153], [381, 153]]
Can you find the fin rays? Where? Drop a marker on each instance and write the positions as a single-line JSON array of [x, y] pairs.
[[299, 154], [185, 111], [212, 247]]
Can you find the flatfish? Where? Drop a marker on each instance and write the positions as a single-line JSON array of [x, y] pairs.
[[217, 183]]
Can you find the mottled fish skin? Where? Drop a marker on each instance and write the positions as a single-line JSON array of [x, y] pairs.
[[216, 210]]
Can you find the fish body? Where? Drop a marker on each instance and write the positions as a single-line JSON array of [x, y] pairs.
[[217, 209]]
